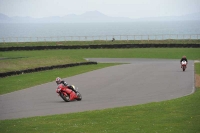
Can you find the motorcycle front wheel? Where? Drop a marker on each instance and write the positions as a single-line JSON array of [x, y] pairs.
[[79, 96], [65, 98]]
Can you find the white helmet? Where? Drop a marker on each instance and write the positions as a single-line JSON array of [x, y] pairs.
[[58, 80]]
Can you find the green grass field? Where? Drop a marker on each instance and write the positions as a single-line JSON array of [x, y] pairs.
[[100, 42], [177, 116]]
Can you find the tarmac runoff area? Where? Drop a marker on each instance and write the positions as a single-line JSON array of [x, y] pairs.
[[138, 81]]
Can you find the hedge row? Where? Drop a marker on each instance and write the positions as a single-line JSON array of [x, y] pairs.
[[44, 68], [102, 46]]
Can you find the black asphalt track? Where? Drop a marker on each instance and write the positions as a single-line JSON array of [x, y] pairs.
[[137, 82]]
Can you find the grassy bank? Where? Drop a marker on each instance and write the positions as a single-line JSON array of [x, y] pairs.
[[67, 43]]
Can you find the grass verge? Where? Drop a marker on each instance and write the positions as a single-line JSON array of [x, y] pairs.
[[100, 42]]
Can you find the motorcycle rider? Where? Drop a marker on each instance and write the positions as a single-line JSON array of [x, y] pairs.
[[183, 59], [60, 81]]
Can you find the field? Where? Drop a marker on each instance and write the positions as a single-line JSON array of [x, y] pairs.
[[99, 42], [167, 116]]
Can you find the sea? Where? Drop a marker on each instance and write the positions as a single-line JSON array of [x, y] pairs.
[[10, 32]]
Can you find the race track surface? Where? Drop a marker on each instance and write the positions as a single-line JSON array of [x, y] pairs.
[[137, 82]]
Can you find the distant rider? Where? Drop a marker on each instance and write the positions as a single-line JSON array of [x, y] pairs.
[[60, 81], [183, 59]]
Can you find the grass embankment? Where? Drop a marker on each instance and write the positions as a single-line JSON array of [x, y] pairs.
[[67, 43], [178, 115]]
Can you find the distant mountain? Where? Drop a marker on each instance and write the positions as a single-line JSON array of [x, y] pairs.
[[91, 17], [88, 17], [4, 18]]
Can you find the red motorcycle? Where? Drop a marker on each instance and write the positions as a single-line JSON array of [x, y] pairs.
[[67, 94], [183, 64]]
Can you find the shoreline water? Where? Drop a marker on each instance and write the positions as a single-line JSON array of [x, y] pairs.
[[98, 29]]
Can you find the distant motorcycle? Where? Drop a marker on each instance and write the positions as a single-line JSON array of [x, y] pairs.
[[67, 94], [183, 63]]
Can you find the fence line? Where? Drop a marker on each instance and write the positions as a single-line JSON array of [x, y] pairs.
[[102, 38]]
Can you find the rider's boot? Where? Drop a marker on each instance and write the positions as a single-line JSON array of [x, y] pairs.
[[72, 89], [75, 91]]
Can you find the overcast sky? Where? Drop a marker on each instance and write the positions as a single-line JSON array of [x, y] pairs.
[[114, 8]]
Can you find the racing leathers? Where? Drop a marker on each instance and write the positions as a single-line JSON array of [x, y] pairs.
[[183, 59], [68, 86]]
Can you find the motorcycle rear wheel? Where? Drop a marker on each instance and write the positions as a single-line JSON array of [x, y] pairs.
[[183, 68]]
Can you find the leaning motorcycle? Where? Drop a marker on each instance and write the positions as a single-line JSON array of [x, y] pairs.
[[67, 94], [183, 63]]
